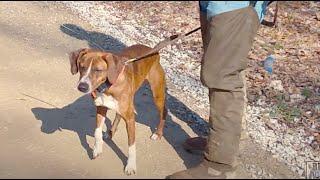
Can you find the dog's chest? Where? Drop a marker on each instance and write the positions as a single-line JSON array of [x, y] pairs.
[[106, 101]]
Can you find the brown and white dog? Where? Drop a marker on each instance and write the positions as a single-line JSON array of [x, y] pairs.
[[102, 69]]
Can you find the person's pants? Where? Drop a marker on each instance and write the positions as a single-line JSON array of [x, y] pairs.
[[227, 39]]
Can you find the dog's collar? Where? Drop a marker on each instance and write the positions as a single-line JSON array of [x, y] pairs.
[[104, 86]]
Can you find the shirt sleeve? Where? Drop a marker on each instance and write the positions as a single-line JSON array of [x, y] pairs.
[[212, 8]]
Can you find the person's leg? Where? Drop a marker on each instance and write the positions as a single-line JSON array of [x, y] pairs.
[[244, 134], [226, 109], [197, 145], [230, 37]]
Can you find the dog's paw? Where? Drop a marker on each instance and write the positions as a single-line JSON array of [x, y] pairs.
[[130, 169], [97, 150], [155, 137]]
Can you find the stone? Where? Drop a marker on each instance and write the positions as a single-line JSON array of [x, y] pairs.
[[296, 97], [277, 85]]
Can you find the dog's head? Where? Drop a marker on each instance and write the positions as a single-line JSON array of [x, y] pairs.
[[95, 68]]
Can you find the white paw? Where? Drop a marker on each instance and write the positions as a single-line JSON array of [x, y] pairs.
[[155, 136], [97, 150], [130, 169]]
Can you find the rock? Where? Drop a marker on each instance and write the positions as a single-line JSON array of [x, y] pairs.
[[254, 176], [296, 97], [310, 139], [318, 16], [277, 85], [317, 108], [273, 121], [300, 172], [296, 119], [286, 97]]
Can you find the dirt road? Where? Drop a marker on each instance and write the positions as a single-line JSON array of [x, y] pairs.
[[46, 126]]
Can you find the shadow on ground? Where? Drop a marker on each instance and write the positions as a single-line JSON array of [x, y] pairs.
[[96, 40]]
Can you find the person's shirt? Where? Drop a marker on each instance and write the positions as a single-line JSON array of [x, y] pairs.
[[212, 8]]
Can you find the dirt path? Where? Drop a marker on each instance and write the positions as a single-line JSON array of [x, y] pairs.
[[46, 126]]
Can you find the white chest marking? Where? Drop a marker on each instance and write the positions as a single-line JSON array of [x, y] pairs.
[[106, 101]]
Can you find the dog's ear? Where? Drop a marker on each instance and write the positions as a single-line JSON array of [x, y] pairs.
[[113, 66], [74, 59]]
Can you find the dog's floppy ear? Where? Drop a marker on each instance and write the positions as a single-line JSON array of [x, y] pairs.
[[113, 66], [74, 59]]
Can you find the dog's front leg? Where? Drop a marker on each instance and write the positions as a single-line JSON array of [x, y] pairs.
[[100, 118], [114, 127], [131, 167]]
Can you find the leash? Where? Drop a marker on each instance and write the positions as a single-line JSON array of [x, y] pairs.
[[161, 45], [172, 39], [153, 51], [39, 100]]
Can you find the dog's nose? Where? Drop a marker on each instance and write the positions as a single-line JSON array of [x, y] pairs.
[[83, 87]]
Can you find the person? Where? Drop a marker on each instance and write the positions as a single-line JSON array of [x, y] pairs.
[[228, 29]]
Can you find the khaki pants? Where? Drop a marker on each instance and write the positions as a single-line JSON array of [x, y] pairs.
[[227, 39]]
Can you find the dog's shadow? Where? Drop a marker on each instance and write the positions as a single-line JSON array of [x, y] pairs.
[[79, 116]]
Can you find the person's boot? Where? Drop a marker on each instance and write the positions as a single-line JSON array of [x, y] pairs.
[[206, 170], [195, 145]]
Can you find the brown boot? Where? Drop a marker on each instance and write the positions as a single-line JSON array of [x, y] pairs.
[[195, 145], [206, 170]]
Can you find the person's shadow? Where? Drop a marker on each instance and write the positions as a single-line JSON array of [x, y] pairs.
[[96, 40], [79, 116], [173, 133]]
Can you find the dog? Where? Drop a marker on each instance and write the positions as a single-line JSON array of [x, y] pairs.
[[112, 85]]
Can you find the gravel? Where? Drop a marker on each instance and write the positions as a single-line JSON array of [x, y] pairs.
[[292, 148], [258, 172]]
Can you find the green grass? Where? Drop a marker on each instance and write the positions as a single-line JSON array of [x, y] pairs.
[[306, 93], [282, 109], [278, 46]]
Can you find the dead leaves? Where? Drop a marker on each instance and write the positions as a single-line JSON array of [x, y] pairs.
[[296, 45]]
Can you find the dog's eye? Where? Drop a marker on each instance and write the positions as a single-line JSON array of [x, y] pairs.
[[82, 68], [98, 70]]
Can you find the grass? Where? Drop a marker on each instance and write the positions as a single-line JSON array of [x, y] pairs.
[[306, 93], [282, 109]]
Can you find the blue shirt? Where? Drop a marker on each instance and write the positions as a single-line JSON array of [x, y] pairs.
[[213, 8]]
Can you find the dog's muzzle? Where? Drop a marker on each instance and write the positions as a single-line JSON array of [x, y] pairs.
[[83, 87]]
